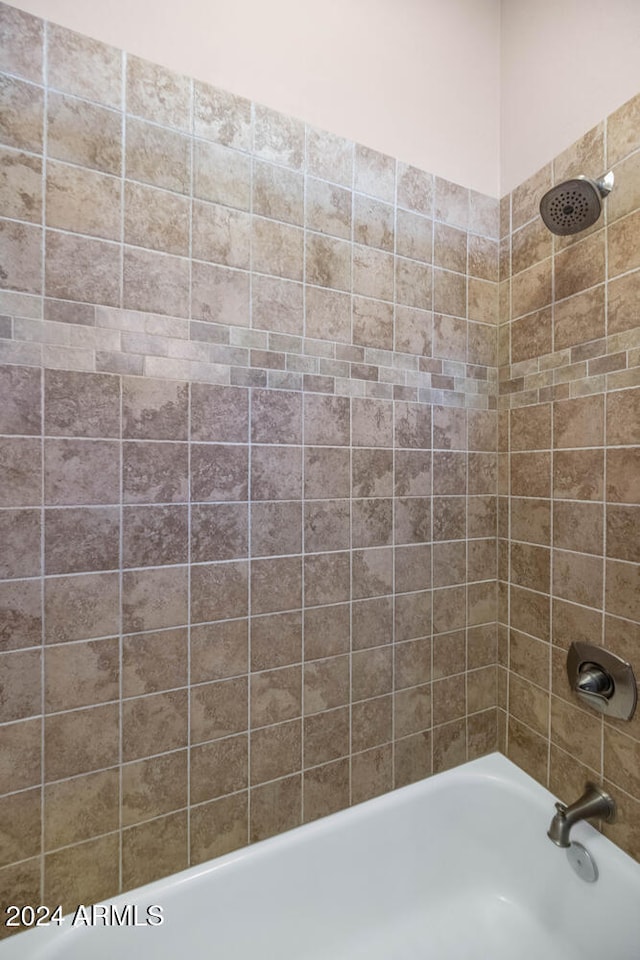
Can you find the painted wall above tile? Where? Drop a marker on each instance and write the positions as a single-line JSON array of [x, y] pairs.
[[418, 81]]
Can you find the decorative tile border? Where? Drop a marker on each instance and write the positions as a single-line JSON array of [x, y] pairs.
[[112, 340]]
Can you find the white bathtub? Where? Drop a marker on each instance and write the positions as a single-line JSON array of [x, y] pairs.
[[457, 867]]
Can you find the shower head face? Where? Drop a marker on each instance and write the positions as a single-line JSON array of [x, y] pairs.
[[572, 206]]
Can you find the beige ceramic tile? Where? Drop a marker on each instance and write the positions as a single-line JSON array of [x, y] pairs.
[[328, 209], [158, 94], [81, 674], [156, 219], [219, 768], [155, 281], [326, 789], [371, 773], [219, 294], [373, 323], [218, 709], [20, 685], [77, 268], [586, 154], [415, 189], [278, 193], [81, 741], [20, 766], [87, 872], [451, 203], [84, 133], [153, 850], [622, 239], [22, 257], [219, 591], [21, 185], [278, 137], [327, 316], [20, 472], [373, 223], [621, 597], [414, 236], [161, 157], [154, 787], [218, 827], [20, 531], [219, 650], [277, 249], [414, 284], [80, 808], [220, 235], [622, 130], [20, 614], [329, 156], [326, 736], [484, 215], [374, 173], [221, 175], [275, 807], [22, 43], [83, 67], [22, 114], [275, 751], [326, 578], [328, 262], [221, 116], [526, 197]]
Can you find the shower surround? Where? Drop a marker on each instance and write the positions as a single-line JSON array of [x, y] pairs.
[[569, 500], [248, 470], [254, 454]]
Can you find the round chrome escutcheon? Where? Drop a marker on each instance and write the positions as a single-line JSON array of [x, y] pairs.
[[582, 862]]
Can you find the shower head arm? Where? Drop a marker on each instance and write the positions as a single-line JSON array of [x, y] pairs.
[[605, 184]]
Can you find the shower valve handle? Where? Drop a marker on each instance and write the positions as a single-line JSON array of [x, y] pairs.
[[595, 681]]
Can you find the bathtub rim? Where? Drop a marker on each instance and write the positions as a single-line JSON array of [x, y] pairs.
[[492, 768]]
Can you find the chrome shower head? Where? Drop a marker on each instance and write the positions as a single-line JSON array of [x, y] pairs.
[[574, 205]]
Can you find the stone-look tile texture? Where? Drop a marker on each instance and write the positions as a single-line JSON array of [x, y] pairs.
[[250, 461], [196, 236], [234, 439], [569, 475], [313, 465]]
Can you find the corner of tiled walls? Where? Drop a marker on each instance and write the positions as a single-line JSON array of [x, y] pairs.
[[248, 470], [569, 476]]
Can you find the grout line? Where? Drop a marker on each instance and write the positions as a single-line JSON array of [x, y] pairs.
[[250, 399], [123, 68], [605, 508], [552, 500], [189, 617], [121, 653], [508, 576], [43, 411], [466, 516], [42, 646], [123, 170], [432, 496], [393, 502], [303, 578], [351, 467]]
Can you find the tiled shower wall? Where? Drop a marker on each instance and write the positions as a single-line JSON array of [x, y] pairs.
[[247, 472], [569, 514]]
